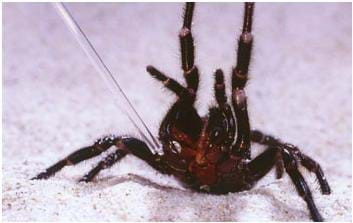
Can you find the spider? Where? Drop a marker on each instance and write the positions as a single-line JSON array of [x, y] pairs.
[[208, 154]]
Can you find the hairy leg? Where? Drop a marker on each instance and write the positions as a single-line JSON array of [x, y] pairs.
[[306, 161], [291, 166], [85, 153], [191, 73], [107, 162], [313, 166], [263, 163], [125, 146], [239, 79], [182, 92]]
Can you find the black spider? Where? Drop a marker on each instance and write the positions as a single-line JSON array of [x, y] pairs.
[[208, 154]]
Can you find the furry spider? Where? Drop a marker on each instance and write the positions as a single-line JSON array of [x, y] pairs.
[[208, 154]]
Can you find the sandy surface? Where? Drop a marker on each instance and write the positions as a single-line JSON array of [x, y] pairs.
[[54, 103]]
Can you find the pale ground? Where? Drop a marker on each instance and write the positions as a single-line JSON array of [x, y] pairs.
[[54, 103]]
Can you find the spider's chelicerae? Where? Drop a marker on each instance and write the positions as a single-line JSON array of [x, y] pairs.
[[208, 154]]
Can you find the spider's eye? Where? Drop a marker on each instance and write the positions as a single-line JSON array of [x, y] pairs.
[[176, 147], [216, 133]]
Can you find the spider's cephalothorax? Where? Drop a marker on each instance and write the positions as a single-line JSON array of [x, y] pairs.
[[208, 154]]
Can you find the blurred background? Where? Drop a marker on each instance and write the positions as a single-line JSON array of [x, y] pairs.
[[54, 102]]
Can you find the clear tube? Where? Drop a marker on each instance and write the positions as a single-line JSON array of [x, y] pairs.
[[106, 75]]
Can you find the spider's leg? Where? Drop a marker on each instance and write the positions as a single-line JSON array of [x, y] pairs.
[[259, 137], [279, 166], [302, 187], [126, 146], [170, 83], [140, 149], [182, 114], [306, 161], [239, 79], [191, 73], [221, 98], [263, 163], [107, 162], [313, 166], [85, 153], [240, 72]]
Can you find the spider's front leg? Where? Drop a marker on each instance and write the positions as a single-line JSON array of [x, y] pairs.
[[187, 52], [239, 79], [182, 115]]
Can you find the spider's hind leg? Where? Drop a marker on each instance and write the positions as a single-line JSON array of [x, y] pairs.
[[305, 161], [301, 186], [263, 163], [107, 162], [291, 157], [80, 155], [125, 146]]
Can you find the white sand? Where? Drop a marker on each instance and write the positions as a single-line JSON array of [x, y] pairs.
[[54, 103]]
